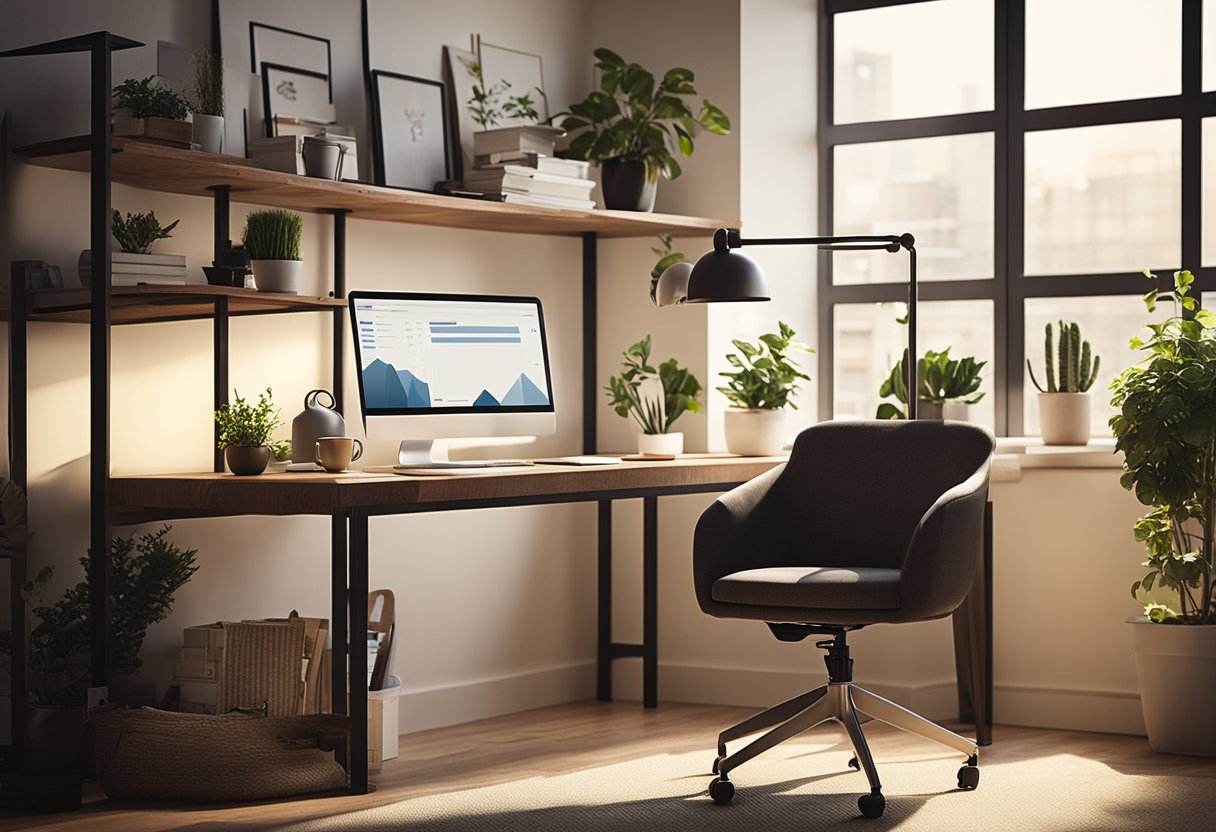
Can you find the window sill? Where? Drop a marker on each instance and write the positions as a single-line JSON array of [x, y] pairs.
[[1015, 453]]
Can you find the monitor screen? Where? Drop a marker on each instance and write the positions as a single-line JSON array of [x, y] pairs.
[[447, 354]]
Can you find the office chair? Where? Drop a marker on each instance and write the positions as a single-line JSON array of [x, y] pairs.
[[868, 523]]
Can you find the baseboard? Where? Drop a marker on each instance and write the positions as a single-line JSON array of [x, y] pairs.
[[1106, 711]]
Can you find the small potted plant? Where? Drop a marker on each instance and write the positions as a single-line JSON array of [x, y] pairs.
[[654, 398], [633, 126], [207, 90], [948, 387], [245, 433], [490, 105], [147, 109], [134, 261], [1165, 429], [272, 241], [760, 387], [1064, 409]]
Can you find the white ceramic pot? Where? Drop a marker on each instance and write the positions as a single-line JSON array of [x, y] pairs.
[[1176, 666], [755, 432], [277, 275], [209, 132], [661, 443], [1064, 418]]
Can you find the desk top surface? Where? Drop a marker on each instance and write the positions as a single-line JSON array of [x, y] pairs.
[[157, 496]]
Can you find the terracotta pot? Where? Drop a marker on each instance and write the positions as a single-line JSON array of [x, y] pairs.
[[661, 443], [1176, 666], [755, 432], [1064, 418], [246, 460], [625, 186]]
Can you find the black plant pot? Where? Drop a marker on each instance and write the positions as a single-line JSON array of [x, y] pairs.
[[626, 188], [246, 460], [52, 773]]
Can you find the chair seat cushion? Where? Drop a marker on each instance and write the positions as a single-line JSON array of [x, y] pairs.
[[820, 587]]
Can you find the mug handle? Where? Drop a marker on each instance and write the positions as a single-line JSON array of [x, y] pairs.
[[358, 450], [316, 453]]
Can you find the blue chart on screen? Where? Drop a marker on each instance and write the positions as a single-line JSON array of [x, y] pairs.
[[429, 354]]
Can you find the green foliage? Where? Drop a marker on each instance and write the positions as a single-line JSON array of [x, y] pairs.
[[666, 258], [633, 116], [207, 89], [940, 379], [281, 450], [764, 378], [148, 98], [487, 105], [1077, 374], [273, 235], [247, 425], [1165, 426], [654, 414], [138, 232]]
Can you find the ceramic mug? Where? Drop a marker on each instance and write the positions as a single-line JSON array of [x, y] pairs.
[[336, 453]]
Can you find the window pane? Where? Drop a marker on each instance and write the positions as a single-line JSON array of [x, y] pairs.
[[1103, 199], [1108, 324], [868, 342], [1208, 255], [923, 59], [939, 189], [1082, 51]]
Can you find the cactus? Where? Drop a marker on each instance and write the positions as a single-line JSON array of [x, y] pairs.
[[1078, 367]]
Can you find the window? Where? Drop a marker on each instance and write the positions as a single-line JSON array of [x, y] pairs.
[[1042, 153]]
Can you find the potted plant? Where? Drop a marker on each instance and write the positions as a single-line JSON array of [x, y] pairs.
[[671, 391], [760, 387], [147, 109], [207, 91], [134, 261], [1064, 410], [245, 433], [272, 241], [633, 126], [947, 387], [1166, 430]]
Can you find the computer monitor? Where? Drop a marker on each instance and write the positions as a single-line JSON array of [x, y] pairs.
[[433, 366]]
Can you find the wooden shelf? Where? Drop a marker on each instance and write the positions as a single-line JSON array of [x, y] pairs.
[[178, 171], [151, 304]]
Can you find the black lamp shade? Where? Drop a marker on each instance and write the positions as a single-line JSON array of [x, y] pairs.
[[726, 275]]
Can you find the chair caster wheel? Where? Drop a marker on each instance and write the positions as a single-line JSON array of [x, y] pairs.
[[968, 777], [717, 762], [853, 764], [721, 791], [872, 804]]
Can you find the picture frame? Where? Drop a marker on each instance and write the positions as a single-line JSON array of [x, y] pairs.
[[279, 46], [410, 130], [288, 90], [522, 70], [460, 91]]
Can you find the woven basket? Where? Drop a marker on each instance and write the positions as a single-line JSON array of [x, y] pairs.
[[146, 754], [262, 666]]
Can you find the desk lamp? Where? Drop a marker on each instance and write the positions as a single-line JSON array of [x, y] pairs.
[[726, 275]]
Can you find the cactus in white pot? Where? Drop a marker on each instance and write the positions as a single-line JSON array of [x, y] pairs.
[[1064, 406]]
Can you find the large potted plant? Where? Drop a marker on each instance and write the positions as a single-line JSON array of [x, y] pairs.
[[760, 387], [207, 90], [633, 126], [245, 433], [948, 387], [654, 398], [1165, 426], [272, 241], [1064, 409]]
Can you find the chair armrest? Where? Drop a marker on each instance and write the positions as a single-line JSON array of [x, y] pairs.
[[721, 542], [939, 566]]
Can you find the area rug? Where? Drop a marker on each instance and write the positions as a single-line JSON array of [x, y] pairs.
[[805, 786]]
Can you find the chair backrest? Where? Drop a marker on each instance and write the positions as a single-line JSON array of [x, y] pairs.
[[853, 493]]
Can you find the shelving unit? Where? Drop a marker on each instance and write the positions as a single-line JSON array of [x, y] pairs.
[[222, 178]]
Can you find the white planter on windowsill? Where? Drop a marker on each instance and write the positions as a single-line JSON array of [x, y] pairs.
[[755, 432], [1064, 418], [661, 443]]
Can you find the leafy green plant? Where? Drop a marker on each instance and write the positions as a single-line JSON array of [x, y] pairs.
[[487, 106], [940, 379], [281, 450], [631, 115], [207, 89], [247, 425], [148, 98], [666, 258], [137, 232], [273, 235], [765, 378], [1165, 426], [1076, 373], [656, 414]]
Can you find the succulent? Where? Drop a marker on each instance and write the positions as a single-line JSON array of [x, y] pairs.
[[1077, 370], [273, 235], [137, 232]]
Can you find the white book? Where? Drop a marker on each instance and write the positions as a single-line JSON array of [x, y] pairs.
[[554, 166], [536, 175], [548, 201], [541, 187], [149, 279]]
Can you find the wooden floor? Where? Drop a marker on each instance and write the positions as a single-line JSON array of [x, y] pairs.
[[562, 739]]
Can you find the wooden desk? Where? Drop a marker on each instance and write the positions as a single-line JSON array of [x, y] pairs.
[[351, 499]]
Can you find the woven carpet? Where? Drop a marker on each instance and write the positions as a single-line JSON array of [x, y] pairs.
[[805, 786]]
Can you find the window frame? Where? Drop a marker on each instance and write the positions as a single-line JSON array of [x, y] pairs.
[[1009, 122]]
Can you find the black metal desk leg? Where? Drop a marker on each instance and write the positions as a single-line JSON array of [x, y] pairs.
[[603, 641], [650, 602], [973, 644], [358, 652], [338, 611]]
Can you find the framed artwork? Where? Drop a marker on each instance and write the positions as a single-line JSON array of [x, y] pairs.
[[291, 91], [522, 70], [410, 131], [283, 47], [460, 63]]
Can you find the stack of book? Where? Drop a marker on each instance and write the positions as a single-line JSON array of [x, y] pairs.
[[197, 669], [129, 269], [532, 179]]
